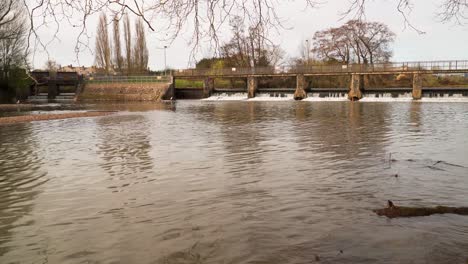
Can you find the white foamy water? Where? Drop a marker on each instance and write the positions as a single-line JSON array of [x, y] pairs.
[[273, 97], [444, 100], [227, 97], [332, 97], [387, 97]]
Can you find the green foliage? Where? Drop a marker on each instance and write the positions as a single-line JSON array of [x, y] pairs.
[[183, 83], [219, 83], [211, 63], [445, 80], [16, 84]]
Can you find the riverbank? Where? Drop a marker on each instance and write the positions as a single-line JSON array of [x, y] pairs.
[[16, 106], [44, 117]]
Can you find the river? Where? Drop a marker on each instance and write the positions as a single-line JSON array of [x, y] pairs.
[[236, 182]]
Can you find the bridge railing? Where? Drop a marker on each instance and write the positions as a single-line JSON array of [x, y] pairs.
[[128, 79], [421, 66]]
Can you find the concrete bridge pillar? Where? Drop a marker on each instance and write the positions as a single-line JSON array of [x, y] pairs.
[[52, 89], [300, 92], [355, 89], [252, 84], [417, 86], [170, 93], [208, 87]]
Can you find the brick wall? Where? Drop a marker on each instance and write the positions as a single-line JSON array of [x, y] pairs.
[[125, 91]]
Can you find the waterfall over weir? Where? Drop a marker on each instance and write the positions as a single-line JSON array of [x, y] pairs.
[[224, 96], [262, 96], [340, 94]]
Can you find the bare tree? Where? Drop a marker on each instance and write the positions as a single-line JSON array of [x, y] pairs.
[[249, 48], [13, 38], [332, 45], [140, 51], [118, 59], [128, 44], [376, 38], [449, 10], [355, 41], [51, 66], [103, 45], [8, 11], [205, 17]]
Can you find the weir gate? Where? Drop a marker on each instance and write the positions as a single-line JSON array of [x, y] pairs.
[[54, 85], [306, 74]]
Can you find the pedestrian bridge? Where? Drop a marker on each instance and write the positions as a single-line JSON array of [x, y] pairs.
[[356, 71], [424, 67]]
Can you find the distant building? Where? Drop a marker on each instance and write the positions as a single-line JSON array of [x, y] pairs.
[[81, 70]]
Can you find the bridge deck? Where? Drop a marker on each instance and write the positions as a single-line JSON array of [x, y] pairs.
[[427, 67]]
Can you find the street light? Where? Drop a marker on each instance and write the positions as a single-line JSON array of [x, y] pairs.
[[165, 62], [308, 50]]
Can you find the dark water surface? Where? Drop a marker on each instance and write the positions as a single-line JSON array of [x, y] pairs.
[[236, 182]]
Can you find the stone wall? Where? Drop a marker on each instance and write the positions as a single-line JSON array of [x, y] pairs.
[[126, 91]]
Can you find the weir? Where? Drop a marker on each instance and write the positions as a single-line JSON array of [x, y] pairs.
[[53, 86], [355, 91]]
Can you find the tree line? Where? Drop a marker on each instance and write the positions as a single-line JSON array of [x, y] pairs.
[[354, 42], [205, 17], [108, 53], [13, 46]]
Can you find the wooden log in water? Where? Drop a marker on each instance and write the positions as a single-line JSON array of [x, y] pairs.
[[393, 211]]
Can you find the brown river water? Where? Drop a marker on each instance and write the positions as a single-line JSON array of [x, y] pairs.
[[236, 182]]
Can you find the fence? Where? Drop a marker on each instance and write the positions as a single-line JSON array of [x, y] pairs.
[[398, 67], [128, 79]]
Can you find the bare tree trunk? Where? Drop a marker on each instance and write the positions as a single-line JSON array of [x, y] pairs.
[[103, 45], [128, 45], [118, 59], [140, 51]]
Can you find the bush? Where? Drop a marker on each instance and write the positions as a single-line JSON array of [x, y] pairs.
[[16, 86]]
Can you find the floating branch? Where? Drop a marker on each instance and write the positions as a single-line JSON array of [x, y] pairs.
[[393, 211]]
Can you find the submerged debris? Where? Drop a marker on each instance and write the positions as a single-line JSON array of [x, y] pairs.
[[393, 211], [317, 258], [42, 117]]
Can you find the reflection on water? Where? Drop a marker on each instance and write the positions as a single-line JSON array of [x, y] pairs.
[[21, 178], [236, 182], [125, 152]]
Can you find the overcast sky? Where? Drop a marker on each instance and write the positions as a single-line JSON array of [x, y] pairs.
[[442, 41]]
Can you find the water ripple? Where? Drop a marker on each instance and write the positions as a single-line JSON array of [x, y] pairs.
[[235, 182]]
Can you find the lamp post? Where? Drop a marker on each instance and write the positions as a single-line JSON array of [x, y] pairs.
[[165, 61], [308, 50]]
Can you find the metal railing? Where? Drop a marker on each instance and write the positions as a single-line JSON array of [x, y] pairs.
[[128, 79], [397, 67]]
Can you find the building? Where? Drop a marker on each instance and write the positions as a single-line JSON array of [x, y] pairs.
[[81, 70]]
